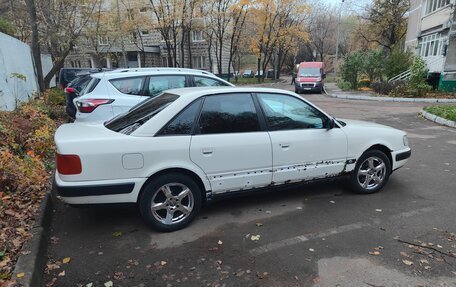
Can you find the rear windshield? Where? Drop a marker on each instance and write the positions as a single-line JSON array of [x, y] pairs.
[[139, 114]]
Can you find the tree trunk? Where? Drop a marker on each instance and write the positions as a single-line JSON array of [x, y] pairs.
[[258, 68], [36, 50]]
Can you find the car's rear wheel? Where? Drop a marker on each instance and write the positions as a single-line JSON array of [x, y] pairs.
[[170, 202], [371, 173]]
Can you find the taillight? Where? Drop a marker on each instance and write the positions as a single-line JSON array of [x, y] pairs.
[[68, 164], [70, 90], [87, 106]]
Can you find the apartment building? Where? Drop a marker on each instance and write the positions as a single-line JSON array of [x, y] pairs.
[[428, 31], [144, 46]]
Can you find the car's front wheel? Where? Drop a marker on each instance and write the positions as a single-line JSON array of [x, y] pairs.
[[170, 201], [371, 173]]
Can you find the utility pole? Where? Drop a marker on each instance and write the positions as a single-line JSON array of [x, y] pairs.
[[337, 40], [124, 55]]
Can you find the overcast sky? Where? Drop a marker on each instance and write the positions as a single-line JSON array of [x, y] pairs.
[[350, 5]]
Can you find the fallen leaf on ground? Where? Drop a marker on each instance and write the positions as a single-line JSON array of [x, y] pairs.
[[407, 262], [255, 237], [427, 267], [332, 201], [299, 207], [20, 275], [61, 274], [404, 254], [268, 212], [25, 252], [117, 234], [163, 263], [66, 260], [220, 242], [424, 261], [439, 246], [259, 224], [109, 284], [375, 253], [89, 285], [311, 249]]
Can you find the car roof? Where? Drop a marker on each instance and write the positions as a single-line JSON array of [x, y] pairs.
[[196, 92]]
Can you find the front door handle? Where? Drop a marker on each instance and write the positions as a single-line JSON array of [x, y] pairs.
[[207, 151], [285, 145]]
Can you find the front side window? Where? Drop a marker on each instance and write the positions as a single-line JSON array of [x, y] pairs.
[[158, 84], [231, 113], [207, 82], [129, 86], [182, 124], [289, 113]]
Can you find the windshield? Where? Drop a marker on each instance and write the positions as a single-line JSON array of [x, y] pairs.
[[141, 113], [309, 72]]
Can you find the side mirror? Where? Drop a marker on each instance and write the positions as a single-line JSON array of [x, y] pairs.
[[330, 124], [324, 75]]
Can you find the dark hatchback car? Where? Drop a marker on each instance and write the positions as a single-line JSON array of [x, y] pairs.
[[66, 75], [72, 91]]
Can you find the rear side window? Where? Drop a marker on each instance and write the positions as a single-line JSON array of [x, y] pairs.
[[158, 84], [207, 82], [141, 113], [231, 113], [129, 86], [182, 124], [90, 86]]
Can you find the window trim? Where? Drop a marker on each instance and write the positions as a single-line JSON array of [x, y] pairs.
[[336, 125], [197, 131], [193, 81]]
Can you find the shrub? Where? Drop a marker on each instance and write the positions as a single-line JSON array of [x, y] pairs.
[[397, 62], [363, 83], [344, 85], [54, 96], [352, 68], [417, 82], [385, 87], [373, 62]]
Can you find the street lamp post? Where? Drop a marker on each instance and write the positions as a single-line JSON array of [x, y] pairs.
[[337, 40]]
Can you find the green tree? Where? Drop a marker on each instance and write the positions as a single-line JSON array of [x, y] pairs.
[[373, 63], [417, 82], [7, 27], [352, 68], [397, 62]]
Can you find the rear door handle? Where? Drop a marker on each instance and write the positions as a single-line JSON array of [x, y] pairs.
[[207, 151], [284, 145]]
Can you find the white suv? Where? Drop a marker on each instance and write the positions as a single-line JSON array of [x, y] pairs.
[[115, 92]]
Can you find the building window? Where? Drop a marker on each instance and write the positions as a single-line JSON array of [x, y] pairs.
[[144, 32], [197, 36], [199, 62], [432, 5], [432, 45], [143, 9], [103, 40]]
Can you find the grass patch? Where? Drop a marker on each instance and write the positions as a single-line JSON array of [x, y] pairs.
[[446, 112]]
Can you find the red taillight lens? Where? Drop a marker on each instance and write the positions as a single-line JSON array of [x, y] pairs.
[[87, 106], [68, 164], [70, 90]]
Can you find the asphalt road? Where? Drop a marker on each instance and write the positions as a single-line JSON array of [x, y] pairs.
[[314, 235]]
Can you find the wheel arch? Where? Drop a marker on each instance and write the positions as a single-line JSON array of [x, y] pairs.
[[184, 171], [385, 150]]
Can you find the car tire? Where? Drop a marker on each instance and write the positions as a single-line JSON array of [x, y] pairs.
[[297, 91], [173, 209], [371, 172]]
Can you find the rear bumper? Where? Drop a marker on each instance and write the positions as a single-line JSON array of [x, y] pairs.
[[98, 192]]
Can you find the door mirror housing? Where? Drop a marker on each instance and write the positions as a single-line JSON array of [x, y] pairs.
[[324, 76], [330, 124]]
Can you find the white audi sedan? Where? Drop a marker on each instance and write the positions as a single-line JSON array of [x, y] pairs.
[[185, 147]]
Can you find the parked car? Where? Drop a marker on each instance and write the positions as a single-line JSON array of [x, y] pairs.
[[72, 91], [66, 75], [115, 92], [185, 147], [259, 74], [310, 77], [247, 74]]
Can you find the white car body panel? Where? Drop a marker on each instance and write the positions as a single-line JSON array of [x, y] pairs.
[[234, 161], [222, 162]]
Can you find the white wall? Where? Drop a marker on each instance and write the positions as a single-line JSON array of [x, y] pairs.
[[16, 57]]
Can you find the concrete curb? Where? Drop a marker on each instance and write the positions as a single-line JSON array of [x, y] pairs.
[[390, 99], [437, 119], [32, 264]]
